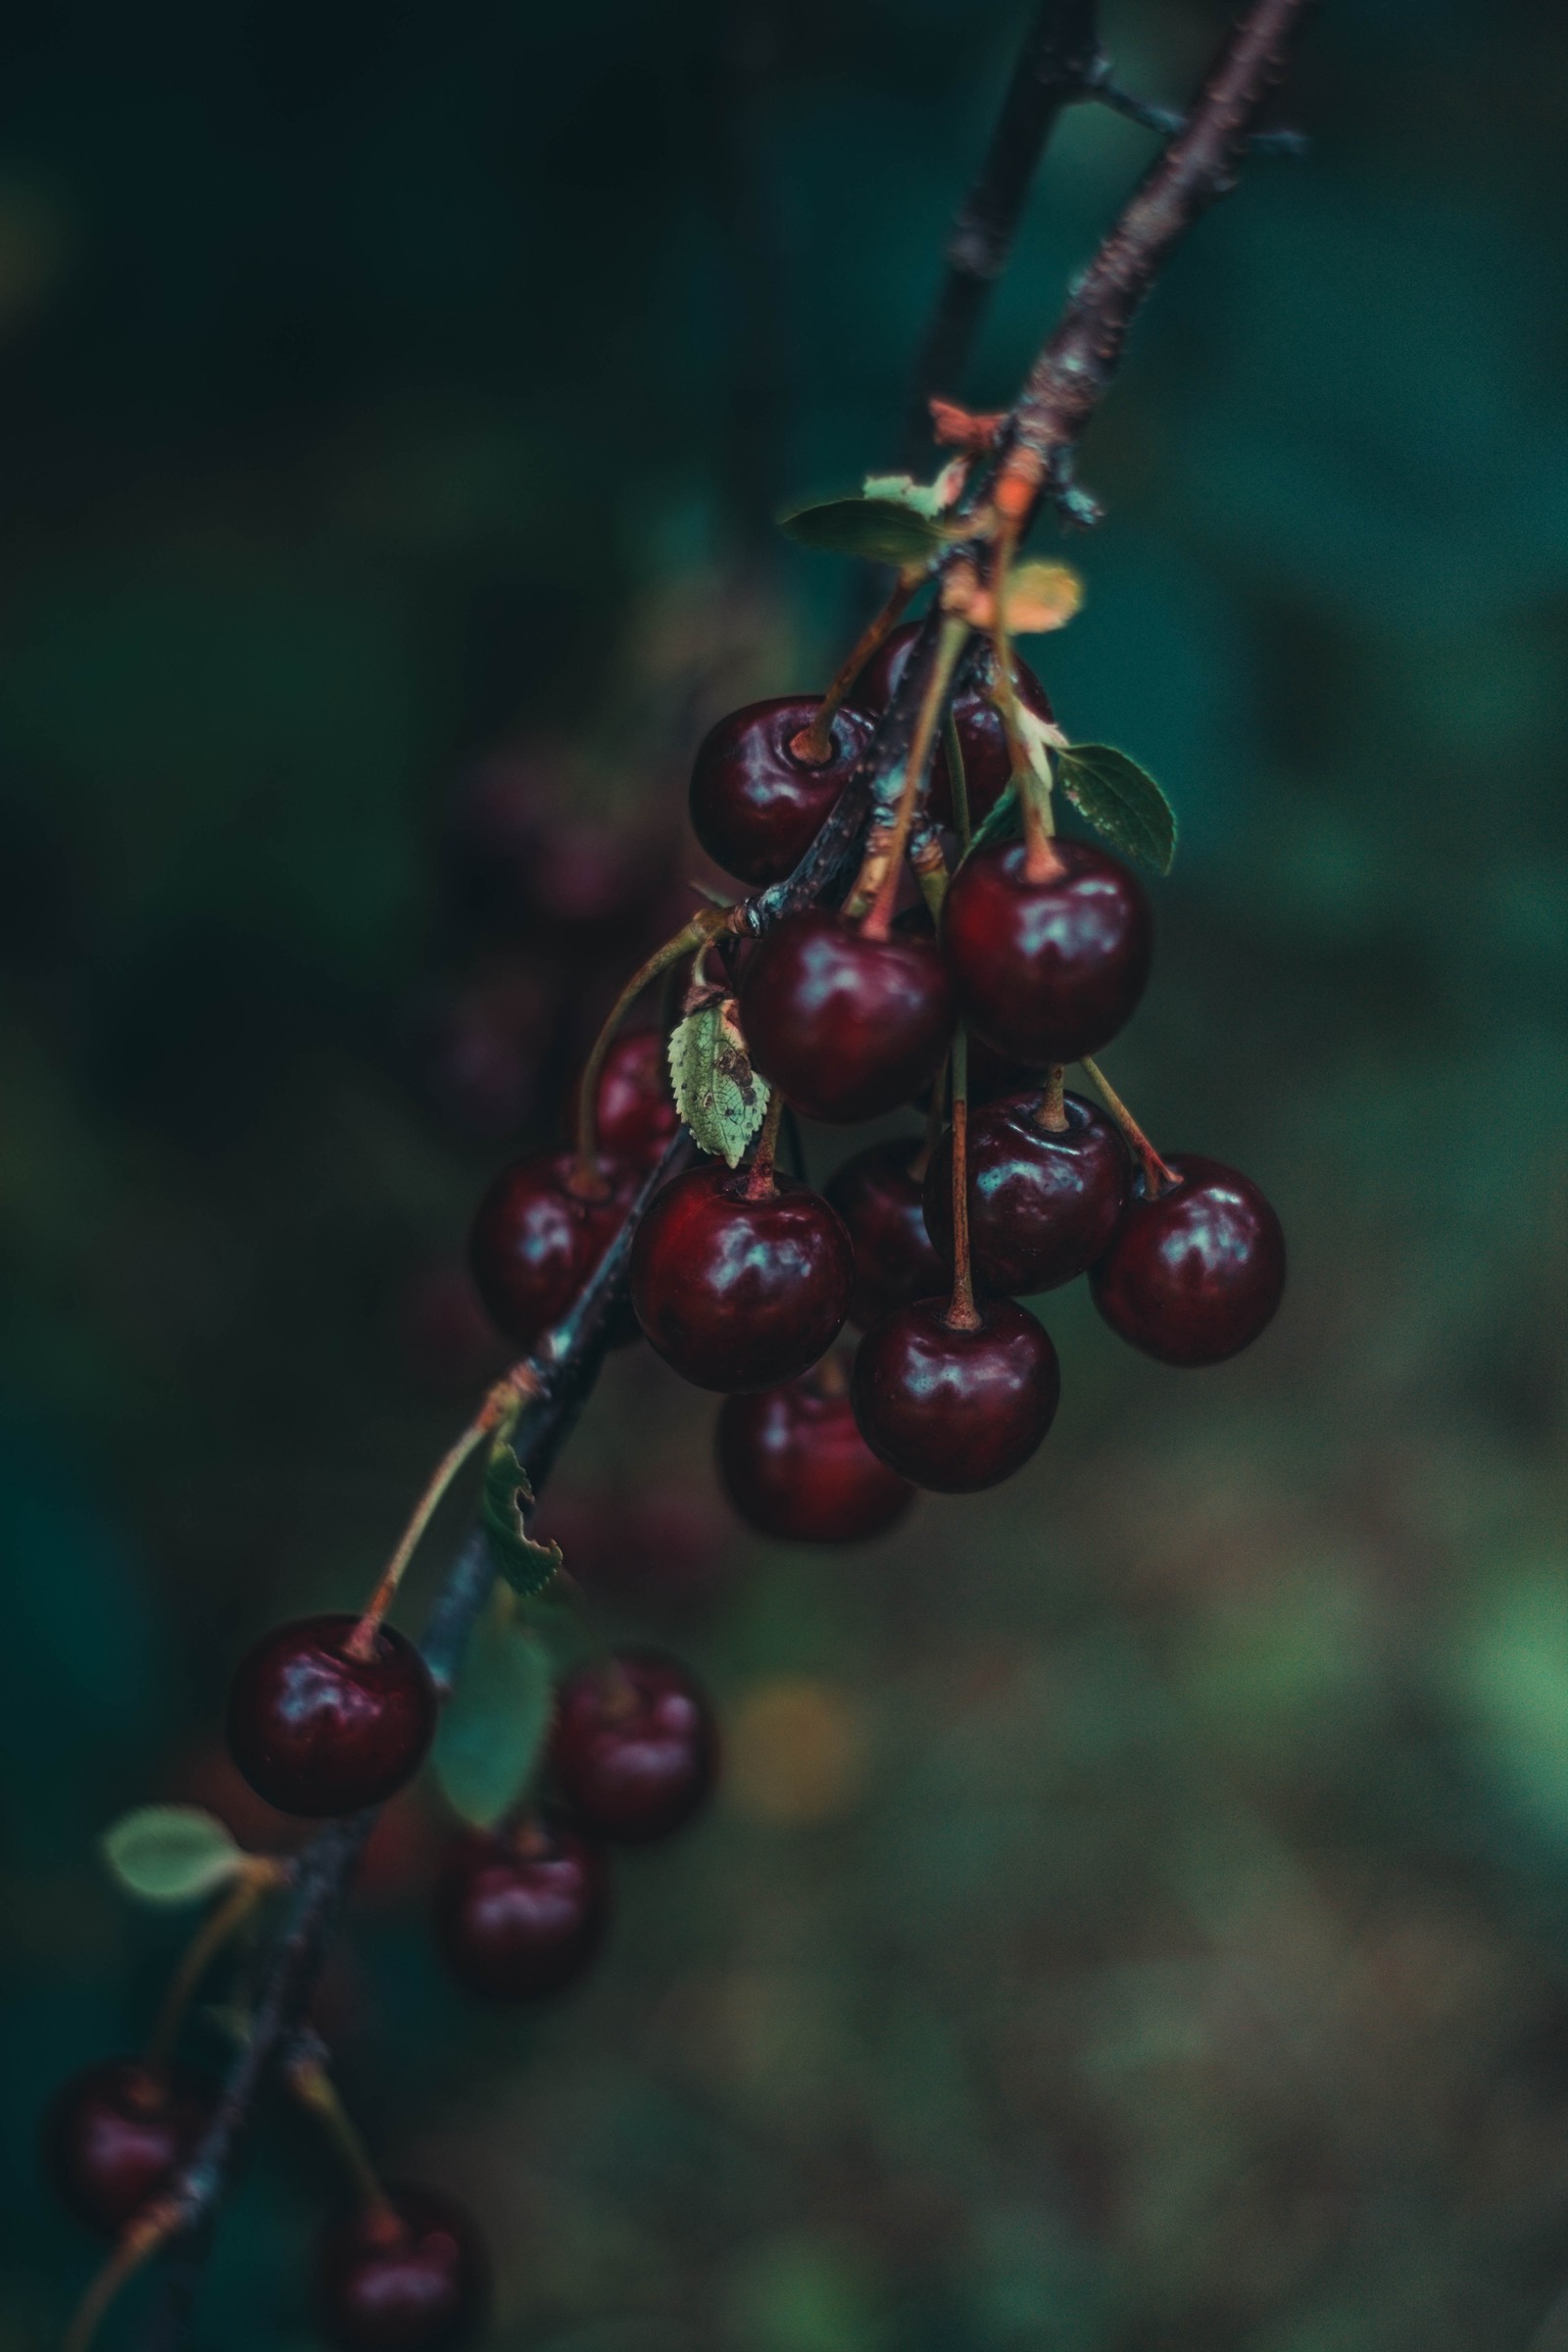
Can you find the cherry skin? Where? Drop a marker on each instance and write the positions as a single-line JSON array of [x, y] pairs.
[[1042, 1202], [537, 1238], [847, 1027], [956, 1411], [634, 1750], [755, 802], [411, 2277], [317, 1731], [1194, 1275], [982, 738], [1046, 971], [882, 1204], [635, 1113], [520, 1911], [117, 2135], [737, 1292], [794, 1465]]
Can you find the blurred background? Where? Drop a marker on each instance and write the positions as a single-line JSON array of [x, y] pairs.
[[1137, 1916]]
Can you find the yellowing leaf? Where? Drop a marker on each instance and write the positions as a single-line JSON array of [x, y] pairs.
[[1041, 596], [717, 1093]]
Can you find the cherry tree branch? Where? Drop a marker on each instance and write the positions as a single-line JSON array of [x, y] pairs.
[[1070, 376]]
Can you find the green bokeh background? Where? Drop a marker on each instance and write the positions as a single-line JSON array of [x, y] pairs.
[[1138, 1918]]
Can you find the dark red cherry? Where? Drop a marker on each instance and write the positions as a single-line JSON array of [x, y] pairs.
[[844, 1026], [520, 1911], [755, 802], [634, 1751], [1042, 1202], [881, 1202], [794, 1465], [635, 1113], [1193, 1276], [410, 2277], [982, 738], [315, 1730], [118, 2134], [956, 1411], [737, 1292], [1046, 971], [538, 1236]]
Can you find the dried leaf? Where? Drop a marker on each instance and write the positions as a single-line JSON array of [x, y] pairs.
[[1041, 596]]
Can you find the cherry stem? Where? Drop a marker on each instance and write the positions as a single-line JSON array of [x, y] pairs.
[[315, 2090], [586, 1179], [878, 877], [760, 1175], [259, 1875], [1157, 1177], [958, 781], [1053, 1112], [504, 1398], [139, 2241], [813, 744], [1041, 862], [962, 1314]]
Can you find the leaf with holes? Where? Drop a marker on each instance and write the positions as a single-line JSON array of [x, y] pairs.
[[527, 1566], [1120, 799], [1041, 596], [717, 1093], [880, 530], [495, 1724], [171, 1853]]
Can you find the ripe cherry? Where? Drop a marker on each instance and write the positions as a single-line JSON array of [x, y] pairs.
[[635, 1113], [118, 2134], [520, 1911], [410, 2276], [950, 1409], [755, 802], [844, 1025], [539, 1235], [634, 1750], [881, 1201], [739, 1288], [794, 1465], [1194, 1275], [316, 1729], [982, 737], [1046, 971], [1044, 1201]]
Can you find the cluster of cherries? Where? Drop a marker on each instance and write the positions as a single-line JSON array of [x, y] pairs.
[[742, 1279]]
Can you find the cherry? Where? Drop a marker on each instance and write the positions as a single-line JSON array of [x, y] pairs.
[[635, 1113], [1194, 1275], [880, 1198], [117, 2135], [634, 1750], [739, 1291], [520, 1911], [1046, 971], [950, 1409], [982, 738], [537, 1238], [794, 1465], [1042, 1202], [755, 802], [315, 1730], [410, 2276], [846, 1026]]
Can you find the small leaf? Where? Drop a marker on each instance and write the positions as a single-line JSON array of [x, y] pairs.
[[527, 1566], [882, 530], [1002, 821], [717, 1093], [494, 1725], [1120, 799], [1041, 596], [169, 1853]]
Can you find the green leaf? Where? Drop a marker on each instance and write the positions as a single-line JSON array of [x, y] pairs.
[[1002, 821], [494, 1725], [527, 1566], [717, 1093], [881, 530], [1120, 799], [169, 1853]]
